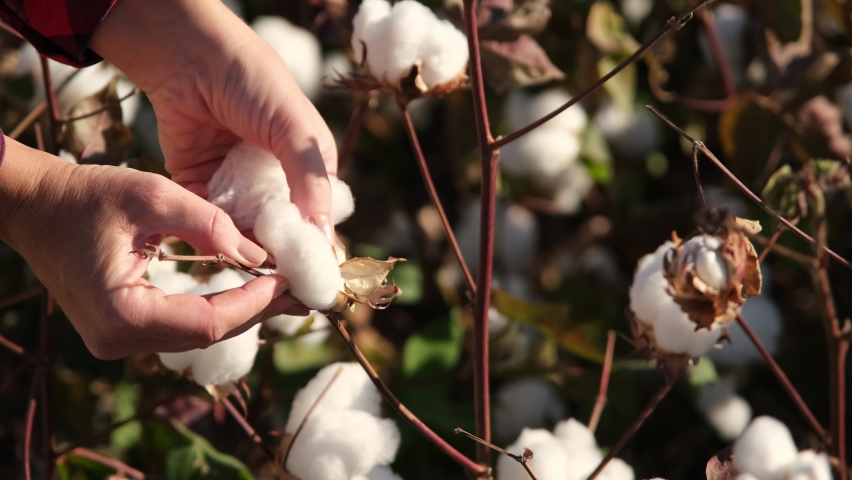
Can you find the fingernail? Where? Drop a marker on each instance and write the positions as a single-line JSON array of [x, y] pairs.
[[298, 311], [282, 287], [250, 252], [323, 222]]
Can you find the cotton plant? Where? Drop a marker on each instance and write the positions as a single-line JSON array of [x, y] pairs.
[[570, 452], [766, 451], [728, 413], [528, 402], [343, 437], [290, 325], [516, 235], [406, 49], [299, 49], [632, 134]]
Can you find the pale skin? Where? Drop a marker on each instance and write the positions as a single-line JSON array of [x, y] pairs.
[[212, 82]]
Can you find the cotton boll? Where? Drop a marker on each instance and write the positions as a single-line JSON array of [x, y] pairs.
[[299, 49], [172, 282], [617, 469], [709, 265], [289, 325], [408, 29], [549, 459], [764, 318], [810, 465], [515, 236], [249, 178], [334, 66], [353, 390], [648, 291], [541, 153], [342, 203], [673, 330], [228, 360], [301, 252], [370, 14], [575, 436], [444, 54], [178, 361], [526, 403], [725, 411], [636, 11], [765, 449], [632, 134], [523, 109], [568, 188], [87, 81], [357, 438]]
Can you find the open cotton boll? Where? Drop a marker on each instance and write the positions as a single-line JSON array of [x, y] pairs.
[[632, 134], [301, 252], [289, 325], [515, 236], [549, 460], [87, 81], [444, 55], [228, 360], [574, 435], [765, 449], [522, 109], [369, 15], [810, 465], [725, 411], [342, 203], [764, 318], [178, 361], [702, 251], [542, 153], [617, 469], [358, 440], [407, 31], [526, 403], [352, 390], [569, 188], [648, 291], [299, 49]]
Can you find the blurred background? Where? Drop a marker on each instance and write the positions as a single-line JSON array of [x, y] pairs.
[[578, 205]]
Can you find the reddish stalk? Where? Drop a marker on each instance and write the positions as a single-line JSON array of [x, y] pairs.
[[489, 157], [116, 465], [386, 393], [12, 346], [436, 201], [353, 130], [28, 432], [636, 424], [672, 24], [52, 106], [785, 382], [28, 120], [252, 434], [14, 300], [522, 459], [600, 401], [719, 55], [754, 198], [768, 248]]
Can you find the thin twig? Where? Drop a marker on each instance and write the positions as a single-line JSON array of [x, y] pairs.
[[154, 251], [785, 382], [523, 459], [743, 188], [101, 109], [28, 120], [17, 298], [235, 414], [12, 346], [386, 393], [779, 229], [436, 201], [672, 24], [353, 130], [634, 426], [307, 415], [28, 432], [698, 176], [52, 106], [116, 465], [804, 260], [10, 29], [600, 401]]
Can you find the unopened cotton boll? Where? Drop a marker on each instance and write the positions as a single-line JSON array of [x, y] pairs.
[[810, 465], [299, 49], [522, 109], [526, 403], [728, 413], [632, 134], [765, 449], [764, 318], [515, 236]]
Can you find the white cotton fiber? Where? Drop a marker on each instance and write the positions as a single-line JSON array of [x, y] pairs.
[[635, 11], [302, 254], [810, 465], [515, 236], [702, 252], [352, 390], [156, 267], [522, 109], [334, 66], [342, 203], [379, 472], [765, 449], [178, 361], [764, 318], [648, 291], [541, 153], [528, 402], [84, 83], [632, 134], [617, 469], [172, 282], [299, 49], [725, 411], [549, 462], [406, 34], [568, 188], [574, 435], [289, 325]]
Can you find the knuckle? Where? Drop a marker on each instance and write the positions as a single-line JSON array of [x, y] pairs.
[[219, 222]]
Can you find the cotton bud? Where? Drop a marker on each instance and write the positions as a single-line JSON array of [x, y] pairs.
[[725, 411], [765, 449], [299, 49], [405, 48]]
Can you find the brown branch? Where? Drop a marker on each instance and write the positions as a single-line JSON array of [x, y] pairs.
[[718, 55], [28, 432], [307, 415], [672, 24], [785, 382], [698, 176], [10, 29], [522, 459], [12, 346], [52, 106], [116, 465], [252, 434], [436, 201], [386, 393], [353, 130], [17, 298], [785, 252], [634, 426], [101, 109], [600, 401], [28, 120], [706, 151], [779, 229], [154, 251]]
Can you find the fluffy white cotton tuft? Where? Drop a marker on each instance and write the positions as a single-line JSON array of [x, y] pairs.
[[353, 390], [636, 11], [810, 465], [725, 411], [406, 34], [342, 203], [299, 49], [541, 153], [526, 403], [522, 108], [632, 134], [765, 450], [568, 188], [702, 252], [178, 361], [764, 318], [379, 472], [515, 236], [289, 325], [650, 301]]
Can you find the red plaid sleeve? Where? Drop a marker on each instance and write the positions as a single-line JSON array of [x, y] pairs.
[[58, 29]]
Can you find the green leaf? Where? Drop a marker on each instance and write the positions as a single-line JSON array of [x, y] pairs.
[[409, 278], [198, 459], [702, 373], [782, 193], [434, 349], [126, 436], [596, 155], [293, 356]]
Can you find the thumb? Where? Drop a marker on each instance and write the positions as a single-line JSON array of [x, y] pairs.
[[205, 227]]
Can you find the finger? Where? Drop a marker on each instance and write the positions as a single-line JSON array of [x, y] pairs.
[[198, 189], [205, 227]]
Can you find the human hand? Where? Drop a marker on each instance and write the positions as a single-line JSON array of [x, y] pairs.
[[76, 226], [212, 81]]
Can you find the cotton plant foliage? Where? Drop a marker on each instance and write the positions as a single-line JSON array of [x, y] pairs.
[[570, 452], [766, 451], [344, 438]]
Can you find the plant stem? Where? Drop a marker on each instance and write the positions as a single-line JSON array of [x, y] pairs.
[[353, 130], [672, 24], [600, 401], [522, 459], [719, 55], [743, 188], [52, 106], [235, 414], [13, 300], [386, 393], [12, 346], [116, 465], [436, 201], [28, 432], [637, 422], [28, 120], [779, 229], [155, 251], [785, 382], [99, 110]]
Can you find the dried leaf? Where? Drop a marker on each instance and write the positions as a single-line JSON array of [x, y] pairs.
[[606, 30], [517, 63], [365, 275], [101, 138], [782, 193], [506, 24], [622, 87]]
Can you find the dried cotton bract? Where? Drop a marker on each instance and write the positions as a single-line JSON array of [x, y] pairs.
[[407, 49], [569, 453], [766, 451], [343, 438]]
